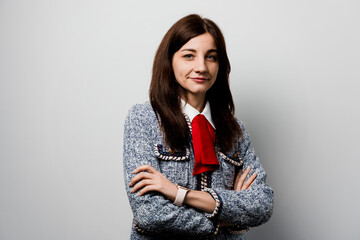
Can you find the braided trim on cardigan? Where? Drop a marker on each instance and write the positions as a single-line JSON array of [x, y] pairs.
[[139, 229], [159, 153], [238, 163], [218, 203], [237, 230], [188, 122], [204, 181], [216, 229]]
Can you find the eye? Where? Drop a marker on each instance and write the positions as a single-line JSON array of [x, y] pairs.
[[212, 57], [188, 56]]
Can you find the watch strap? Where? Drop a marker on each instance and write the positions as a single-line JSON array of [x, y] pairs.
[[180, 196]]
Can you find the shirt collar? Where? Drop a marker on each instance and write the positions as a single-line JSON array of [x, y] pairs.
[[191, 112]]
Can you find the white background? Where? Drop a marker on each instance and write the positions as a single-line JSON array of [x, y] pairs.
[[70, 70]]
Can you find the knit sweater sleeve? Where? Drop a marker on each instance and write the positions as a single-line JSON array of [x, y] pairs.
[[252, 207], [153, 213]]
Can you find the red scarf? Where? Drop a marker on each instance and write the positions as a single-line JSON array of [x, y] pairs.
[[203, 136]]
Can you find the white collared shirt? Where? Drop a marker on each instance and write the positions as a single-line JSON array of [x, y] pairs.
[[191, 112]]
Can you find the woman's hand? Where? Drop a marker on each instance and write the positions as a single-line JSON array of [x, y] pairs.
[[240, 178], [149, 179]]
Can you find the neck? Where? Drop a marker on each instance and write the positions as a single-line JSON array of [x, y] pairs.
[[197, 102]]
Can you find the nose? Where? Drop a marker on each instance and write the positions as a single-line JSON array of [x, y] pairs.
[[200, 66]]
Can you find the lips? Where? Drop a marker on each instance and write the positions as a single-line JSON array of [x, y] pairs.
[[199, 79]]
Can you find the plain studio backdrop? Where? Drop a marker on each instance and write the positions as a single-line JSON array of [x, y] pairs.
[[71, 69]]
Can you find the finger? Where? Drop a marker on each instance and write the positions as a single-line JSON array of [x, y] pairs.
[[242, 178], [140, 176], [248, 182], [244, 174], [140, 185], [147, 168], [146, 189]]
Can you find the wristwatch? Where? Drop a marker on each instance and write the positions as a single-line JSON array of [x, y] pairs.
[[180, 196]]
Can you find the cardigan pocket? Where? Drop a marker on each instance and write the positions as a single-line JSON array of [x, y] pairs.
[[230, 165], [173, 165]]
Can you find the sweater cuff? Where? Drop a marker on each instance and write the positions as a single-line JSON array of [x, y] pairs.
[[218, 203], [238, 229]]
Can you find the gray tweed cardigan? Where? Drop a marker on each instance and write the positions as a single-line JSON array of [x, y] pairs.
[[156, 217]]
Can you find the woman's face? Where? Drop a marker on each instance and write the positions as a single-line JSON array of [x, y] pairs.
[[196, 65]]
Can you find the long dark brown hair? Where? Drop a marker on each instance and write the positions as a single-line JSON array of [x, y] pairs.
[[165, 91]]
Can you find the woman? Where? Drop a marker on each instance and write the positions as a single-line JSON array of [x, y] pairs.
[[190, 169]]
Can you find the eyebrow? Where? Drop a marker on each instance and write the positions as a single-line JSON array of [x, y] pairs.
[[193, 50], [212, 50]]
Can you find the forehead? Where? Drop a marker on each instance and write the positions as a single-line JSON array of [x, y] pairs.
[[202, 42]]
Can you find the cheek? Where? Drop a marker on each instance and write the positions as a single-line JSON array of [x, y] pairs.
[[179, 76], [214, 71], [181, 70]]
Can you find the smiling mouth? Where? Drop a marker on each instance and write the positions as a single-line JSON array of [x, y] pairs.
[[199, 79]]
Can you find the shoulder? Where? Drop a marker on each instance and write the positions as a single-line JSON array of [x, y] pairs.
[[241, 124], [141, 115], [242, 127], [244, 140], [143, 110]]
